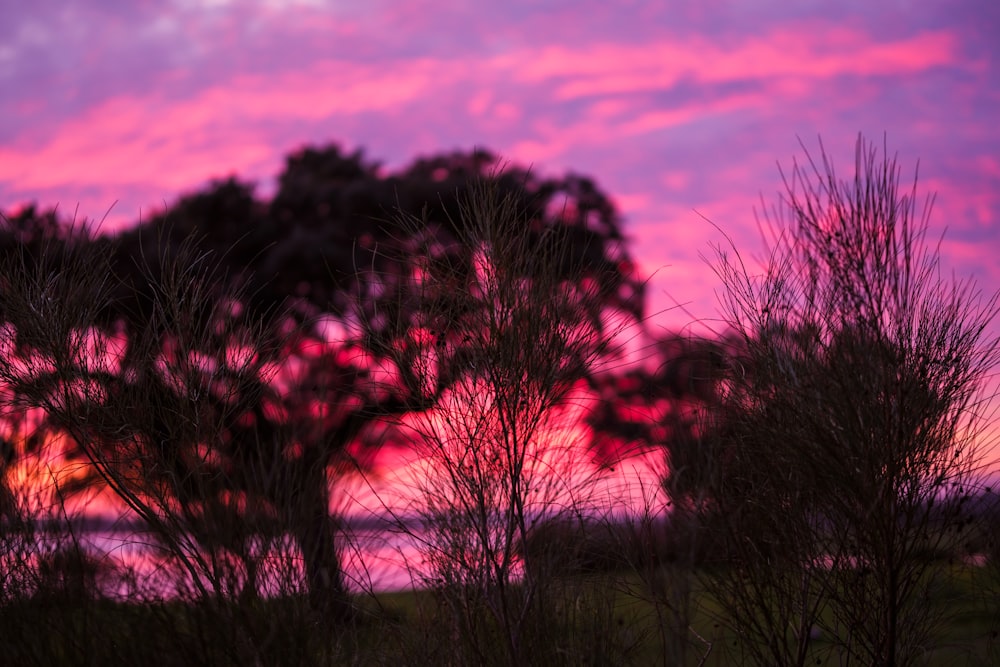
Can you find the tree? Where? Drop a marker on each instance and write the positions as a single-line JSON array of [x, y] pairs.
[[209, 365], [849, 420], [517, 310]]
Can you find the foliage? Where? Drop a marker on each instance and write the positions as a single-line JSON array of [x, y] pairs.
[[847, 428]]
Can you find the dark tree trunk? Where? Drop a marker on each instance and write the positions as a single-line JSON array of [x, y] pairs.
[[316, 534]]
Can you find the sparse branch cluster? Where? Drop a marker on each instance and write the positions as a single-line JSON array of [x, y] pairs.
[[853, 419]]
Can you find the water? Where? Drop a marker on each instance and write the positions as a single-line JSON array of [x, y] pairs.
[[383, 545]]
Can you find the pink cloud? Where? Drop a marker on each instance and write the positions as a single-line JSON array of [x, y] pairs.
[[790, 51], [665, 118], [174, 143]]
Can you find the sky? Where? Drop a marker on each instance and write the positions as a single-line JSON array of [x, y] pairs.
[[681, 111]]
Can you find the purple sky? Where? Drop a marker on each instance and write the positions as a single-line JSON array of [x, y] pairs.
[[677, 112]]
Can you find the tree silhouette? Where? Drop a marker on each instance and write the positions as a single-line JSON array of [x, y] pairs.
[[211, 363], [852, 416]]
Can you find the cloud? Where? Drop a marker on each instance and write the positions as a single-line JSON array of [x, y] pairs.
[[675, 110], [617, 68]]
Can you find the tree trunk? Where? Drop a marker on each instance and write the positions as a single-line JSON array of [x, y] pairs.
[[315, 532]]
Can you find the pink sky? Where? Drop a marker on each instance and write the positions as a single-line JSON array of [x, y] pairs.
[[677, 112], [113, 108]]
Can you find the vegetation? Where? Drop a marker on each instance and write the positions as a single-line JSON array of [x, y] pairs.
[[847, 434], [209, 380]]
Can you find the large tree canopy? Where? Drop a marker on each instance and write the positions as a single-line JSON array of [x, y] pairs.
[[222, 358]]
